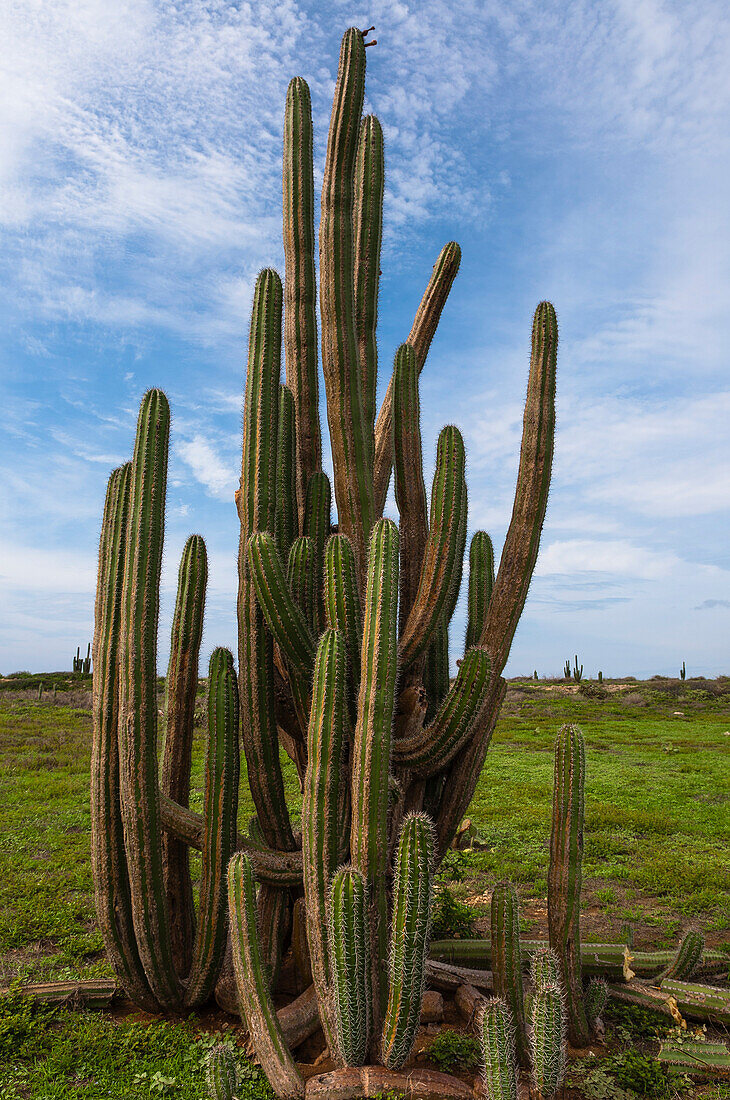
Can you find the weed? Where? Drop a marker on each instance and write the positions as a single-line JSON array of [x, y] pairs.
[[451, 919], [451, 1051]]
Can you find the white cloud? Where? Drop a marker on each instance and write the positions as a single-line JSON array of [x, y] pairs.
[[207, 467]]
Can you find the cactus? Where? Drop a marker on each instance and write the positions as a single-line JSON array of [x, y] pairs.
[[596, 998], [409, 938], [567, 671], [544, 968], [547, 1041], [343, 644], [565, 875], [86, 664], [499, 1069], [600, 677], [507, 963], [687, 958], [683, 672], [221, 1074]]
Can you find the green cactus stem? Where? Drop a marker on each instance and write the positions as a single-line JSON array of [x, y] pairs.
[[482, 581], [317, 527], [322, 807], [342, 602], [252, 983], [221, 1074], [596, 998], [696, 1057], [300, 944], [367, 238], [286, 524], [350, 953], [410, 928], [507, 963], [300, 573], [351, 450], [410, 491], [108, 857], [548, 1041], [683, 672], [544, 968], [688, 956], [565, 875], [372, 743], [496, 1035], [220, 812], [433, 747], [441, 556], [256, 509], [273, 920], [300, 287], [181, 686], [139, 790], [422, 333]]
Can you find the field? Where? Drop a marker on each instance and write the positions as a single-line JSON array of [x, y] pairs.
[[656, 857]]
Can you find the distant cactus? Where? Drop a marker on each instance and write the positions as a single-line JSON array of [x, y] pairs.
[[567, 672], [535, 676], [577, 671], [600, 677], [355, 688], [86, 663], [40, 691], [683, 672]]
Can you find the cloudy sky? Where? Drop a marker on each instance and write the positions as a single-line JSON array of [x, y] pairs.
[[578, 152]]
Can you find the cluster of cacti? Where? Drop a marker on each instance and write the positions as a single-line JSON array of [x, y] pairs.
[[82, 664], [543, 1037], [574, 673], [343, 645]]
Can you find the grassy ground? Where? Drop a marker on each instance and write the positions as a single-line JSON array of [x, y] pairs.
[[656, 853]]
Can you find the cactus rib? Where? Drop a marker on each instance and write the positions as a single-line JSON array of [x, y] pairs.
[[499, 1070], [507, 962], [350, 953], [481, 582]]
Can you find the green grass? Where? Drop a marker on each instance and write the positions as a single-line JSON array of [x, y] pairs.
[[655, 855]]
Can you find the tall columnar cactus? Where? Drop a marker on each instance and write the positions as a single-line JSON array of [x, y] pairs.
[[343, 642], [565, 875], [507, 962]]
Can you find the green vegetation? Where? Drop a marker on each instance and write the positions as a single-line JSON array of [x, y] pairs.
[[451, 1051]]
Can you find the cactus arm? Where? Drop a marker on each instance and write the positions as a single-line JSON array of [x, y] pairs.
[[284, 617], [687, 958], [273, 920], [565, 875], [436, 671], [108, 858], [368, 235], [256, 508], [351, 453], [507, 963], [349, 947], [410, 927], [317, 527], [300, 573], [139, 791], [481, 583], [533, 482], [496, 1035], [276, 868], [372, 744], [286, 524], [322, 824], [342, 601], [445, 536], [433, 747], [410, 491], [548, 1041], [422, 333], [252, 983], [544, 967], [181, 687], [220, 811], [300, 286]]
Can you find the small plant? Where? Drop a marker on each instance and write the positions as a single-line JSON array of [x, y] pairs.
[[452, 1051], [451, 919], [642, 1074]]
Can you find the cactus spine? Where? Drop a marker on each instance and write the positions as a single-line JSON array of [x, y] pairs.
[[565, 875], [499, 1070], [507, 962]]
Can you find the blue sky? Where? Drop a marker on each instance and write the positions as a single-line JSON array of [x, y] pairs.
[[578, 152]]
